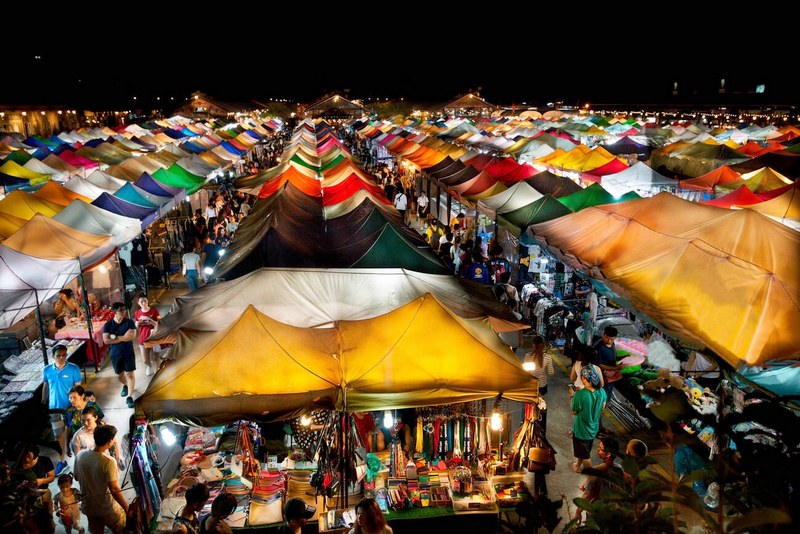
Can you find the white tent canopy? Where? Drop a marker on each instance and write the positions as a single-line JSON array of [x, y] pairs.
[[94, 220], [95, 184], [518, 195], [638, 177]]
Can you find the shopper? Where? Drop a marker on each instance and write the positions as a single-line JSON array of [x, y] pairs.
[[191, 268], [66, 503], [296, 514], [146, 319], [79, 402], [84, 437], [118, 334], [187, 521], [607, 450], [224, 504], [103, 503], [370, 519], [587, 406], [58, 378], [39, 471]]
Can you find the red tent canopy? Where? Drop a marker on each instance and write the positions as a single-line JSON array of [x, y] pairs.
[[707, 182], [740, 197]]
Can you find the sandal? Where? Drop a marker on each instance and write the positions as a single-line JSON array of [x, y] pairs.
[[575, 467]]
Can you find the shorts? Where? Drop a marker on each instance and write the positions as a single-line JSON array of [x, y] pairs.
[[114, 519], [122, 363], [582, 448], [57, 423]]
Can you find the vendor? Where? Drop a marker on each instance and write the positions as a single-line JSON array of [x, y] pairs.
[[67, 303], [400, 430]]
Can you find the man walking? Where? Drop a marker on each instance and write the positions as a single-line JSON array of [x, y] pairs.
[[103, 502], [401, 202], [118, 334], [58, 379]]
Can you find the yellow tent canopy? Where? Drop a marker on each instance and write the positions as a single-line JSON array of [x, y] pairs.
[[12, 168], [262, 369], [58, 194], [9, 224], [25, 205], [725, 279]]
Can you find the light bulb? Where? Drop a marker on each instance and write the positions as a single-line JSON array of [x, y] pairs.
[[528, 366], [208, 270], [168, 437], [305, 420], [497, 422], [103, 269], [388, 420]]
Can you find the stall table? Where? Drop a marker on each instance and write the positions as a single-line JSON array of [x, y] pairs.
[[95, 348]]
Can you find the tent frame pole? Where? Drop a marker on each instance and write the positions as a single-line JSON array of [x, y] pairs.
[[40, 322], [345, 458], [87, 310]]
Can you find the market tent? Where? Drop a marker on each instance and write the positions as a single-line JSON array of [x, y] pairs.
[[25, 205], [759, 181], [54, 162], [784, 208], [127, 209], [38, 167], [317, 297], [593, 195], [40, 259], [94, 185], [58, 194], [291, 229], [548, 183], [518, 195], [14, 169], [363, 364], [708, 181], [626, 145], [786, 163], [177, 176], [9, 224], [741, 197], [94, 220], [544, 209], [149, 184], [638, 177], [725, 279]]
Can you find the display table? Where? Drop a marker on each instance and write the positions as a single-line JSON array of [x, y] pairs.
[[96, 348]]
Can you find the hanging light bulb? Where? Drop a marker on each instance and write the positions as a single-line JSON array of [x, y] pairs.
[[529, 364], [168, 437], [497, 421], [305, 420], [388, 420]]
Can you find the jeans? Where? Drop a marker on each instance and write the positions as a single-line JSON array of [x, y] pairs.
[[191, 279]]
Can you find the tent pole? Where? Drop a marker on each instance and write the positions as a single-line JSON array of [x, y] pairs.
[[41, 327], [88, 316], [345, 458]]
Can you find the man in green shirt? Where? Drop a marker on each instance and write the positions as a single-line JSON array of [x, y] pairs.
[[587, 405]]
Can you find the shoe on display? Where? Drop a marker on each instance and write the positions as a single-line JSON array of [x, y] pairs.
[[60, 467], [129, 402], [124, 392]]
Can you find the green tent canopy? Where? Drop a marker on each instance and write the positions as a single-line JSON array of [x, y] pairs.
[[20, 157], [545, 209], [391, 249], [594, 195], [177, 176]]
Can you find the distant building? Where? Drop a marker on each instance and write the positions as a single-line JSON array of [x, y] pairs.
[[203, 107], [38, 120], [333, 106], [469, 105]]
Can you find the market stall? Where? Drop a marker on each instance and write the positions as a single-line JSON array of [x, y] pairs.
[[371, 364]]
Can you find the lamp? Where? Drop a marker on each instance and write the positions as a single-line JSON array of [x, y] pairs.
[[168, 437], [529, 364], [305, 420], [497, 421], [388, 420]]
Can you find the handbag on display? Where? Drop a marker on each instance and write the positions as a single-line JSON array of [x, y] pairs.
[[266, 511]]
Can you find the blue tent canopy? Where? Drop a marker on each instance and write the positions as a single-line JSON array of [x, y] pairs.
[[129, 194], [128, 209], [232, 149], [188, 133], [191, 147], [148, 146], [174, 134], [41, 153], [32, 141], [154, 187], [94, 143]]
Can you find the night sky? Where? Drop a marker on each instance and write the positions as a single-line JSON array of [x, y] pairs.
[[534, 72]]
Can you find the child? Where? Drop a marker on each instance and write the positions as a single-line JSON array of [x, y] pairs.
[[67, 508]]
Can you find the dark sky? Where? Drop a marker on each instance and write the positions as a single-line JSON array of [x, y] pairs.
[[535, 71]]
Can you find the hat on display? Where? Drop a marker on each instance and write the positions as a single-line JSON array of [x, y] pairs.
[[298, 509]]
